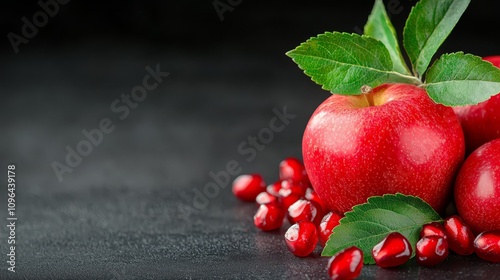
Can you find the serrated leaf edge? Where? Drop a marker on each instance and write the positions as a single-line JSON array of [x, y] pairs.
[[354, 208], [415, 70], [342, 33], [460, 53], [391, 75]]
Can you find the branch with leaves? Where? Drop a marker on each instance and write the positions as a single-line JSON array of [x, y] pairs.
[[343, 63]]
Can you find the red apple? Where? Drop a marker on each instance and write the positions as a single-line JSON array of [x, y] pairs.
[[394, 139], [481, 122], [477, 189]]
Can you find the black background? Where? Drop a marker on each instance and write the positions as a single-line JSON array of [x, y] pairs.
[[118, 214]]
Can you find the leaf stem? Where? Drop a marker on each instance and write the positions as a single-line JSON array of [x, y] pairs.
[[398, 77]]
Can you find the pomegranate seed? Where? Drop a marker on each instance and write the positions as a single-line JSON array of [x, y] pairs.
[[301, 238], [247, 187], [394, 250], [287, 197], [432, 250], [295, 187], [460, 237], [274, 188], [269, 216], [293, 169], [304, 210], [311, 195], [328, 223], [487, 246], [346, 264], [264, 198], [433, 229]]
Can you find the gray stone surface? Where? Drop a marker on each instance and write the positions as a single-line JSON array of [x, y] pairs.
[[117, 215]]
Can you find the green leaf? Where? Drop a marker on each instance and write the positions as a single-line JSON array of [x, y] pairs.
[[342, 63], [379, 26], [368, 224], [428, 25], [462, 79]]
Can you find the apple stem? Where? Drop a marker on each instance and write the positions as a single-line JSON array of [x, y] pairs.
[[367, 92]]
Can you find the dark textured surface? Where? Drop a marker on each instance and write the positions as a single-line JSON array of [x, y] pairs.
[[117, 216], [121, 214]]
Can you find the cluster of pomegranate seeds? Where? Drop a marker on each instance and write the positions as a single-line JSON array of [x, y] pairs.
[[291, 196], [456, 236], [433, 247], [394, 250], [435, 244]]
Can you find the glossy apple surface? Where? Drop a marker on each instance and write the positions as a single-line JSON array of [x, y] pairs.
[[481, 122], [477, 189], [403, 143]]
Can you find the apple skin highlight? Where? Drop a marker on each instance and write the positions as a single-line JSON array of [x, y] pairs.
[[405, 143]]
